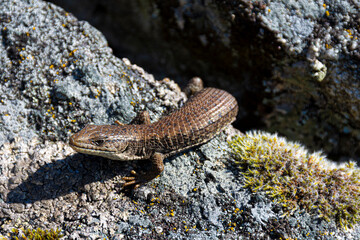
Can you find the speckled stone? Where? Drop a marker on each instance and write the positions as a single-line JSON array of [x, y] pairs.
[[58, 74]]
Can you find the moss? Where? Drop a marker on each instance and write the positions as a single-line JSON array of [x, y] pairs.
[[38, 234], [297, 179]]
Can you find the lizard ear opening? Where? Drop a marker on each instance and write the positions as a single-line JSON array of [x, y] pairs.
[[127, 152], [126, 149]]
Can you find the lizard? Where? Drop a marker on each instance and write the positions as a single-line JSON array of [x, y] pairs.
[[206, 113]]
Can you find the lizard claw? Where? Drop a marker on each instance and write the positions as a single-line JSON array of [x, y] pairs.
[[134, 181], [138, 179]]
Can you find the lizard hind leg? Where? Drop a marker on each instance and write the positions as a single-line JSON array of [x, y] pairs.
[[194, 85]]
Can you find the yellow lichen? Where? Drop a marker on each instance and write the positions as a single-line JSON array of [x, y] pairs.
[[38, 234], [298, 180]]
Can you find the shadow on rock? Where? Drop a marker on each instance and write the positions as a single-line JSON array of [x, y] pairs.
[[62, 177]]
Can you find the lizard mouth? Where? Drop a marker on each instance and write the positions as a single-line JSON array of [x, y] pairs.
[[111, 154], [91, 151], [72, 142]]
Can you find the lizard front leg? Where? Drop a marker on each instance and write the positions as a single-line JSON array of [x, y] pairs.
[[142, 117], [157, 166]]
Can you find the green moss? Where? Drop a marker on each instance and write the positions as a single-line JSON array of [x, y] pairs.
[[298, 180], [38, 234]]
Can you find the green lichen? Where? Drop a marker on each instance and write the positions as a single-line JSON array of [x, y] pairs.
[[298, 180], [38, 234]]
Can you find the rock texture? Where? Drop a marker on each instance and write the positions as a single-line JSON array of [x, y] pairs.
[[58, 74], [293, 65]]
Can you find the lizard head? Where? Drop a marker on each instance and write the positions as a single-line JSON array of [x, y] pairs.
[[102, 140]]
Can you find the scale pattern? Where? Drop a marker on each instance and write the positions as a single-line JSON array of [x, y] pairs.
[[204, 115]]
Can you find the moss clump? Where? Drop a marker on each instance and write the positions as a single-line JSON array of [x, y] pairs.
[[298, 180], [38, 234]]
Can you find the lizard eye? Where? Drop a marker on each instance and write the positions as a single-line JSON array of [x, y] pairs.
[[98, 142]]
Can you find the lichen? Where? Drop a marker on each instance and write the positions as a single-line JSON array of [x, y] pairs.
[[297, 179], [38, 234]]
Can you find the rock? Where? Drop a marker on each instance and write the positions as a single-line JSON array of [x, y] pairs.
[[58, 74], [293, 65]]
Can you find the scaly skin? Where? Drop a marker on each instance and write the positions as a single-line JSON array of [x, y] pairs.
[[204, 115]]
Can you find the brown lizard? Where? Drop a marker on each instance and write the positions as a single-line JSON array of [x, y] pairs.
[[204, 115]]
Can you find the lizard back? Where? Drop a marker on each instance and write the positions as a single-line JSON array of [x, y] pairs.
[[205, 114]]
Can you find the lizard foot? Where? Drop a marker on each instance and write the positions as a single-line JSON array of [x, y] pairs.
[[138, 179], [132, 181], [195, 85]]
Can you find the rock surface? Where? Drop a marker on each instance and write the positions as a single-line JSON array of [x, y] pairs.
[[293, 65], [58, 74]]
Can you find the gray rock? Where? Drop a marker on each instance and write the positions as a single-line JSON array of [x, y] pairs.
[[58, 74], [293, 65]]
